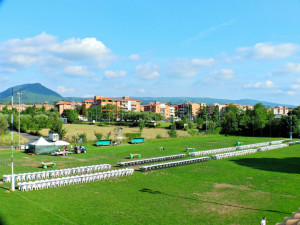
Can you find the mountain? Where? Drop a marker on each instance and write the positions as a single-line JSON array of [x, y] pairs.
[[31, 93]]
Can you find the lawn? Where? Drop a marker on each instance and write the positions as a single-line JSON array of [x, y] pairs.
[[148, 133], [5, 139], [238, 190]]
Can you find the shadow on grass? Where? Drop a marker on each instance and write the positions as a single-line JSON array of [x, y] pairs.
[[285, 165], [146, 190]]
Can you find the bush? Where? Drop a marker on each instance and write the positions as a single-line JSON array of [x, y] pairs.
[[82, 136], [172, 132], [108, 135], [158, 136], [193, 132], [130, 136], [98, 135]]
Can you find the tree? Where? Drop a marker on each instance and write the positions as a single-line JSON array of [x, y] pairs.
[[57, 127], [71, 115], [215, 116], [141, 125], [172, 132], [3, 123]]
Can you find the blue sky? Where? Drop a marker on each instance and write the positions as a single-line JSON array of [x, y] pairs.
[[219, 49]]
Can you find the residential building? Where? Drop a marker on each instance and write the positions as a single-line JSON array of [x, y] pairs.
[[220, 107], [194, 108], [281, 110], [129, 104], [160, 108], [63, 105]]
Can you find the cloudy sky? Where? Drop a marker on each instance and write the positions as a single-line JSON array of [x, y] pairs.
[[197, 48]]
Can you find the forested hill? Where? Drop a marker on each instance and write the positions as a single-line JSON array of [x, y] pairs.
[[31, 93]]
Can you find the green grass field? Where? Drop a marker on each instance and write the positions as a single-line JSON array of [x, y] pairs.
[[238, 190]]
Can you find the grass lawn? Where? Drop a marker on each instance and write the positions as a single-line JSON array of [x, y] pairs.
[[239, 190], [148, 133], [5, 139]]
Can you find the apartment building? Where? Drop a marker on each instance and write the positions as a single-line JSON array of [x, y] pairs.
[[126, 103], [221, 108], [281, 110], [194, 108], [129, 104], [161, 108]]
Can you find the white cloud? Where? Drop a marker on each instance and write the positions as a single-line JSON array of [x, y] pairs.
[[78, 71], [147, 71], [142, 90], [266, 84], [88, 96], [8, 70], [223, 74], [45, 50], [62, 90], [4, 79], [134, 57], [296, 86], [290, 93], [268, 51], [114, 74], [189, 68]]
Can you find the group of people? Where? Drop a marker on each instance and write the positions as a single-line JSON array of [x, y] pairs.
[[81, 147]]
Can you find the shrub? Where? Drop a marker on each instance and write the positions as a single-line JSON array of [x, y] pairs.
[[108, 135], [133, 135], [82, 136], [172, 132], [98, 135], [193, 132], [158, 136]]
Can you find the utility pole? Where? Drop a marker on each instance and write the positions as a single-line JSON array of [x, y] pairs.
[[291, 128], [12, 143], [19, 95], [206, 123], [187, 130]]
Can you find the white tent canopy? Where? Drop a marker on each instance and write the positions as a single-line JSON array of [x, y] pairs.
[[61, 143], [41, 142]]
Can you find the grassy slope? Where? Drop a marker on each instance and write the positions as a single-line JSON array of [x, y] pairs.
[[5, 139], [239, 190], [148, 133]]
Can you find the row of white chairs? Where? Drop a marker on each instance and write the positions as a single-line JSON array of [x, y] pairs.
[[252, 145], [56, 173], [172, 164], [293, 142], [150, 160], [233, 154], [276, 142], [266, 148], [57, 182], [212, 151]]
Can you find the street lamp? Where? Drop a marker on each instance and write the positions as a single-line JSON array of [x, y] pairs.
[[12, 144], [19, 95]]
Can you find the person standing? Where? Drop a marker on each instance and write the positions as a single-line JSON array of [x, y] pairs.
[[263, 221]]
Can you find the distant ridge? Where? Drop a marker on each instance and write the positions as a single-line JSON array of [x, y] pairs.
[[208, 101], [37, 93]]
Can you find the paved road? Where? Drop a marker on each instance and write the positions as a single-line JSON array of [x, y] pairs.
[[30, 137]]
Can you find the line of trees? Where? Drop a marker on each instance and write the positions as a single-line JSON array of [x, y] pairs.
[[33, 120], [259, 122]]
